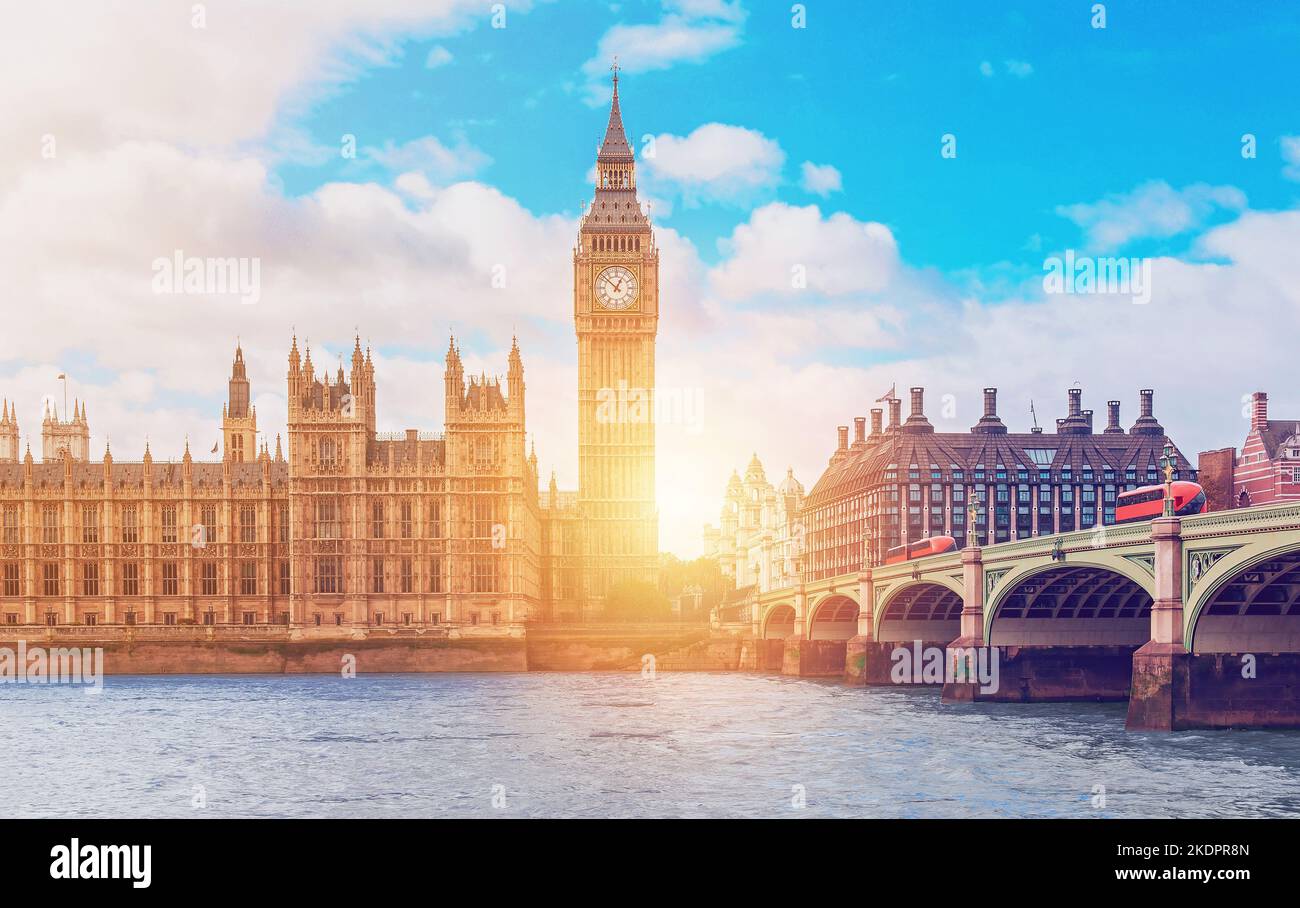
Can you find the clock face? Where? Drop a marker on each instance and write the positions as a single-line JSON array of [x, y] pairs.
[[616, 288]]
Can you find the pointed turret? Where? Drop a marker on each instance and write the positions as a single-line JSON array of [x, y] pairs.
[[9, 435], [515, 380], [453, 378], [615, 147], [238, 418]]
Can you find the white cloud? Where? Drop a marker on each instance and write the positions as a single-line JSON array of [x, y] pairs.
[[1153, 209], [143, 169], [438, 56], [726, 10], [1019, 68], [403, 268], [715, 162], [160, 78], [1291, 155], [432, 158], [821, 179], [986, 69], [691, 31], [838, 255]]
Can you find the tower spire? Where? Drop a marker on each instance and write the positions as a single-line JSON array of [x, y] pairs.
[[615, 147]]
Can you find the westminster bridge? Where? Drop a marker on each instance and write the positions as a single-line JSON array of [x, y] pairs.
[[1194, 620]]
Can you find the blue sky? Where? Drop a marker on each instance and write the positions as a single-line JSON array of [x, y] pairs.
[[1163, 92], [776, 150]]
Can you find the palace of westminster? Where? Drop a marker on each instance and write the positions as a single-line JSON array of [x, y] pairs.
[[355, 527]]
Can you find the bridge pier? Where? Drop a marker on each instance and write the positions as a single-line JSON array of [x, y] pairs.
[[1159, 690], [963, 654], [804, 657], [860, 648]]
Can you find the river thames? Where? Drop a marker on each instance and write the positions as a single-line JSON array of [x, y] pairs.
[[607, 745]]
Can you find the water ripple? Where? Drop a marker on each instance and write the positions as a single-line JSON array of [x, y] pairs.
[[591, 745]]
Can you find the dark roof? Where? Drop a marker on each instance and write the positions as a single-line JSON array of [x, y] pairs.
[[859, 469], [615, 147], [1277, 432]]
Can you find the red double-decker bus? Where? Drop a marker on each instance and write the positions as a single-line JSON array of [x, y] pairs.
[[922, 548], [1148, 502]]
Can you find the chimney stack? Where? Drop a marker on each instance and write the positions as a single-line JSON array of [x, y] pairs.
[[989, 423], [859, 431], [1074, 423], [843, 432], [1259, 411], [1087, 415], [895, 413], [1112, 419], [877, 418], [917, 422], [1146, 423]]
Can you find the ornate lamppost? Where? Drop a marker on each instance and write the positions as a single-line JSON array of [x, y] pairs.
[[1167, 461], [973, 516]]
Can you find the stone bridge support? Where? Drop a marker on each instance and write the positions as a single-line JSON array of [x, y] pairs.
[[1160, 666], [811, 653], [862, 662], [962, 655]]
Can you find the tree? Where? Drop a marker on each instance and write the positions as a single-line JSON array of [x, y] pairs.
[[635, 600]]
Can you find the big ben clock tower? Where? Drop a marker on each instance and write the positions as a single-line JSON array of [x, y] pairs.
[[616, 315]]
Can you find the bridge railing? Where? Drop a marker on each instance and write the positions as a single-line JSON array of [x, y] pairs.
[[1262, 517]]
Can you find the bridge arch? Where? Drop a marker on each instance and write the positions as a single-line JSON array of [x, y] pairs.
[[833, 617], [1090, 603], [1248, 601], [927, 610], [779, 622]]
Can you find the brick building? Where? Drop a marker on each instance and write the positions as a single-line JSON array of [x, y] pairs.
[[1267, 469], [903, 481]]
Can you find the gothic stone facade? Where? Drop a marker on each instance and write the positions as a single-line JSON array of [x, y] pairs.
[[616, 316], [759, 532], [353, 528]]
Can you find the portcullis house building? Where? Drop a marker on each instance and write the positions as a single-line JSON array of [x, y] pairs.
[[904, 481]]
